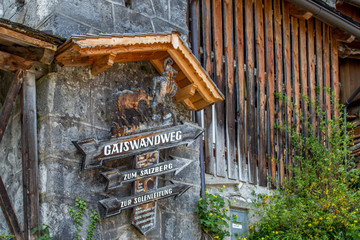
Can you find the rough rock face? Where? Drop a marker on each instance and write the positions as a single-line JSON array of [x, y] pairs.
[[77, 17], [74, 105], [10, 155]]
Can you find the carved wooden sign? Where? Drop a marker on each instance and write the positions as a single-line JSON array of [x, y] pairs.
[[114, 206], [95, 152], [145, 146], [116, 178]]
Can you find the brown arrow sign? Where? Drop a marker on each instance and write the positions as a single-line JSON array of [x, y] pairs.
[[96, 152], [116, 177], [114, 206]]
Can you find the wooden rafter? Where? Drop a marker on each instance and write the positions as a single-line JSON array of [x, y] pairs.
[[12, 63], [101, 52]]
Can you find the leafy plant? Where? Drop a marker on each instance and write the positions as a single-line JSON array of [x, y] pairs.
[[94, 220], [5, 236], [77, 215], [44, 232], [213, 215], [320, 200]]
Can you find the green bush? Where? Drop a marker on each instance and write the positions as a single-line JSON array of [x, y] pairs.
[[321, 200], [214, 215]]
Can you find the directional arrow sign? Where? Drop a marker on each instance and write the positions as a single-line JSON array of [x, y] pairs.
[[96, 152], [116, 177], [114, 206]]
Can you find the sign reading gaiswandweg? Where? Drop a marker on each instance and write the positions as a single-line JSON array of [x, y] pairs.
[[145, 148], [95, 152]]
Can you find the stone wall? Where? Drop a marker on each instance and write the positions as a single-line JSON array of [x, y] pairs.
[[10, 154], [74, 105], [78, 17]]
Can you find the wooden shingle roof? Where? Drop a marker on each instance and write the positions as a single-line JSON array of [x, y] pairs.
[[195, 88]]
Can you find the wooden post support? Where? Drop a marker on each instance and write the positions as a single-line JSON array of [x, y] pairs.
[[9, 212], [5, 201], [29, 155], [10, 101]]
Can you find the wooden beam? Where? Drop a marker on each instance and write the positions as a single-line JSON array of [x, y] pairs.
[[29, 155], [185, 93], [10, 101], [29, 53], [9, 212], [299, 12], [102, 64], [22, 38], [12, 63], [6, 110]]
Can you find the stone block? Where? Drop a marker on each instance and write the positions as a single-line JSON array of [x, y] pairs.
[[64, 27], [178, 10], [162, 26], [144, 7], [94, 13], [129, 21], [161, 8]]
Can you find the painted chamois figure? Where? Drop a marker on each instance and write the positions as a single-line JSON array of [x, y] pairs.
[[130, 99], [163, 86]]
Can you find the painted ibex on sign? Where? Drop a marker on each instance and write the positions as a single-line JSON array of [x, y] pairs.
[[162, 86]]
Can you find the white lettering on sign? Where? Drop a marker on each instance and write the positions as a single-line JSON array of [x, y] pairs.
[[237, 226], [142, 143], [157, 169]]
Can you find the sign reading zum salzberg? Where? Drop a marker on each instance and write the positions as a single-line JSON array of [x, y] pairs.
[[95, 152], [116, 177]]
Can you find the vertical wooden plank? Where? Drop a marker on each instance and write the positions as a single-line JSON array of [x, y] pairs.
[[287, 76], [335, 72], [295, 69], [326, 47], [311, 70], [319, 65], [279, 86], [241, 134], [208, 112], [221, 166], [260, 44], [304, 70], [271, 83], [230, 96], [29, 154], [250, 90]]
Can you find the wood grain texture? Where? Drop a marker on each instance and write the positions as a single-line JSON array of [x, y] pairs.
[[221, 166], [250, 90], [241, 81], [279, 87], [287, 76], [303, 71], [335, 72], [327, 72], [29, 155], [270, 69], [230, 95], [311, 71], [260, 44]]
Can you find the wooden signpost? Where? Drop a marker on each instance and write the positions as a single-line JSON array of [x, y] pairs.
[[145, 148], [116, 178], [95, 152]]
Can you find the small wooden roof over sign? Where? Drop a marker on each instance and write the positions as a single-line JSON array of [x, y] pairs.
[[195, 88], [22, 47]]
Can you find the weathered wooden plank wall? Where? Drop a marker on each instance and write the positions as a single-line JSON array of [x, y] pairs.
[[252, 49]]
